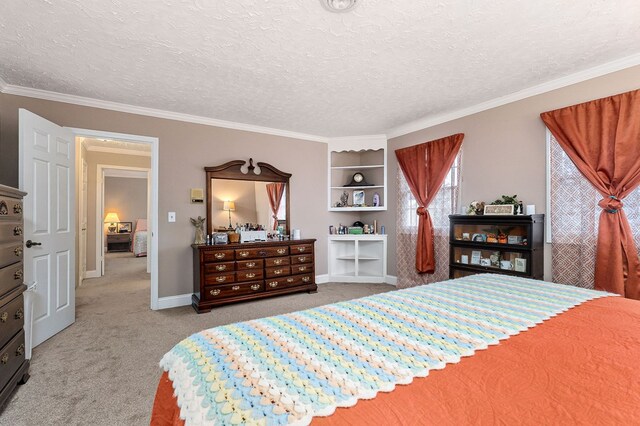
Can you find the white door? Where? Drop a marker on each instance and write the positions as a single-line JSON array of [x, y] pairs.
[[47, 167]]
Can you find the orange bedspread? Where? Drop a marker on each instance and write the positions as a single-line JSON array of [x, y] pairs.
[[582, 367]]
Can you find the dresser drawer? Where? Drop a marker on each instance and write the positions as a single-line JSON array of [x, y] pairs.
[[11, 318], [214, 268], [11, 232], [10, 208], [224, 278], [301, 269], [10, 253], [276, 261], [277, 271], [260, 252], [301, 258], [285, 282], [301, 248], [232, 290], [249, 274], [11, 358], [250, 264], [218, 256], [11, 277]]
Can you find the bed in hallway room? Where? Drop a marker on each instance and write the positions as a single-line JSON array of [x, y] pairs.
[[139, 240], [482, 349]]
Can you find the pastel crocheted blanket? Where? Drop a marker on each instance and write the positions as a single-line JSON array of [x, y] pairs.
[[288, 368]]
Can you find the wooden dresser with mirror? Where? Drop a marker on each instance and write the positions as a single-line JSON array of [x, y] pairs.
[[235, 272]]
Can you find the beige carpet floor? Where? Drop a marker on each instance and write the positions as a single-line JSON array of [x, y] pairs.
[[103, 370]]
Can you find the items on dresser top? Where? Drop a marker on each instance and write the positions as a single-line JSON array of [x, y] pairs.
[[14, 367], [237, 272]]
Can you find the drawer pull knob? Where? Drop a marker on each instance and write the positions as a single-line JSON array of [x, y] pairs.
[[17, 208], [255, 286], [5, 358], [219, 255], [302, 258], [278, 271], [214, 292], [221, 267], [244, 253], [281, 250], [4, 210], [18, 251], [289, 280], [3, 317], [251, 275], [18, 274], [301, 249], [20, 350], [273, 284], [17, 231], [19, 314], [221, 279], [306, 279], [278, 261], [235, 288], [302, 268], [251, 264]]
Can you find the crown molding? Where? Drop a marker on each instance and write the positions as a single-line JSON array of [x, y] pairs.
[[578, 77], [152, 112], [111, 150]]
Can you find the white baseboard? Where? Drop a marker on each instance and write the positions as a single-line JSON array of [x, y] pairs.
[[174, 301], [322, 279], [92, 274], [390, 279]]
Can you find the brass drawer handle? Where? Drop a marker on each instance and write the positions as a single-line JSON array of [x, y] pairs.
[[243, 253], [277, 271], [18, 274], [20, 350], [281, 250], [273, 284], [301, 249], [19, 314], [221, 267], [5, 358], [18, 251], [302, 268], [219, 255], [214, 292], [250, 275], [221, 279], [302, 258], [235, 288], [17, 231], [251, 264], [277, 262], [3, 208], [4, 317], [17, 208], [289, 280], [255, 286], [306, 279]]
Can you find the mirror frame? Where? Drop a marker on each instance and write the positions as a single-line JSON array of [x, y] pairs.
[[232, 170]]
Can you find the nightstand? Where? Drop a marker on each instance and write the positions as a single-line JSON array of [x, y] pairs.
[[119, 242]]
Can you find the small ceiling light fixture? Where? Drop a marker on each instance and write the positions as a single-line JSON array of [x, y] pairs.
[[339, 6]]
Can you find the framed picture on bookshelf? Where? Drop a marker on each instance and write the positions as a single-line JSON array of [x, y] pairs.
[[498, 209], [358, 198], [475, 257], [520, 264]]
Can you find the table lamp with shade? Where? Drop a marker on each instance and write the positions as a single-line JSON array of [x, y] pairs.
[[229, 206], [112, 219]]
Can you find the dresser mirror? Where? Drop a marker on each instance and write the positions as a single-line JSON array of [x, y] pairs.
[[239, 192]]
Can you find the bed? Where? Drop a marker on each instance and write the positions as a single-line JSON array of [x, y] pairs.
[[548, 353], [139, 241]]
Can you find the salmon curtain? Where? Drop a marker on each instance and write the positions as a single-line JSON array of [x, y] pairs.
[[602, 138], [275, 191], [424, 167]]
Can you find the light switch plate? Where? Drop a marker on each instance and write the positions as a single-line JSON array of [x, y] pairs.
[[172, 217]]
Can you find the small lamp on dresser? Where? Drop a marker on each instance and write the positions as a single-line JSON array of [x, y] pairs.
[[229, 206], [112, 219]]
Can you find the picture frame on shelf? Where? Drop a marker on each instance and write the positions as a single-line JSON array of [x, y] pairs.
[[464, 259], [520, 264], [124, 227], [358, 198], [480, 238], [475, 257], [498, 209], [485, 262]]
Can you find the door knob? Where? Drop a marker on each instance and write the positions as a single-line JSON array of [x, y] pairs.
[[30, 243]]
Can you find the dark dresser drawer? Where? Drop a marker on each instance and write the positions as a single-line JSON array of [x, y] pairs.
[[250, 264], [213, 268], [277, 271], [249, 274], [10, 253], [276, 261], [232, 290], [224, 278], [301, 269], [301, 258], [218, 256], [11, 317], [11, 277], [285, 282], [302, 248], [11, 357], [10, 232]]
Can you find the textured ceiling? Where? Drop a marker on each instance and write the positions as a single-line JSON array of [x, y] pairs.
[[291, 65]]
